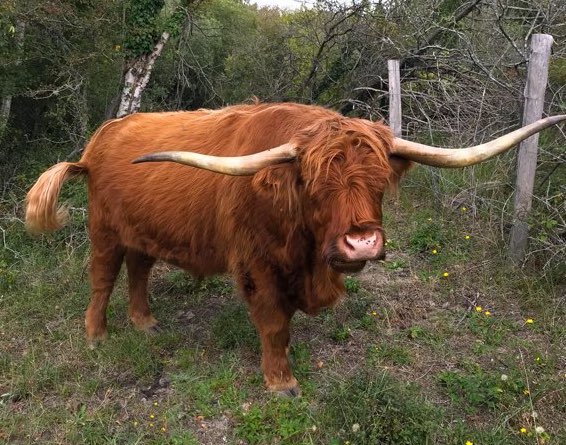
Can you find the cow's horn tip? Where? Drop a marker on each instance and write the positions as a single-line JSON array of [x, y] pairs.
[[146, 158]]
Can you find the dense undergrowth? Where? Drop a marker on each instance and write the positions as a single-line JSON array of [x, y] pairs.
[[442, 343]]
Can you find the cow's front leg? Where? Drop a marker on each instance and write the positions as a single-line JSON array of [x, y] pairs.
[[272, 324]]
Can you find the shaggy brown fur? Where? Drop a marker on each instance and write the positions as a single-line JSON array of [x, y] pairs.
[[276, 232]]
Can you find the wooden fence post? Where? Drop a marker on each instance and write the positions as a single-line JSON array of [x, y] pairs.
[[394, 96], [537, 77]]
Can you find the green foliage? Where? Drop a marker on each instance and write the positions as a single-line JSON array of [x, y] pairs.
[[280, 420], [490, 329], [427, 236], [209, 389], [557, 71], [352, 285], [358, 305], [141, 20], [134, 355], [395, 265], [385, 411], [392, 353], [341, 333], [301, 360], [475, 389], [232, 328], [7, 276]]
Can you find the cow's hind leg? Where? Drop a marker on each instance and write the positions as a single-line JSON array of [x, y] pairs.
[[106, 258], [139, 266]]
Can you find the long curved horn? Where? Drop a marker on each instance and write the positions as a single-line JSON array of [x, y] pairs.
[[463, 157], [236, 165]]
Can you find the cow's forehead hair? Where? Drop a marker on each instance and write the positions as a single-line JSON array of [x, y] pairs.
[[347, 140]]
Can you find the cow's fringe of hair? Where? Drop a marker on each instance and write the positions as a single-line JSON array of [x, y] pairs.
[[43, 214], [326, 141]]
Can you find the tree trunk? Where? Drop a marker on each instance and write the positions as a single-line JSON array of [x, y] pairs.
[[7, 94], [136, 78]]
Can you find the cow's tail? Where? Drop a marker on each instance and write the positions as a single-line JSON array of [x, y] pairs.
[[43, 213]]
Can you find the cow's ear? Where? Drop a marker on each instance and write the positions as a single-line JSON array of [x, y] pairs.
[[280, 183], [399, 167]]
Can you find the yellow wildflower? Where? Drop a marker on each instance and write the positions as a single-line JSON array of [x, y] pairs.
[[479, 309], [467, 237], [463, 209], [523, 430], [529, 321], [151, 425], [163, 428], [155, 404], [526, 392], [487, 313], [374, 313], [151, 416], [469, 442], [135, 423], [445, 274], [434, 251]]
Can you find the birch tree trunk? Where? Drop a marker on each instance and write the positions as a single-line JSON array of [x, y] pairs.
[[7, 93], [136, 78]]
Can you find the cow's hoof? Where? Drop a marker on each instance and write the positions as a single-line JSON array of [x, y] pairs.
[[145, 323], [153, 330], [95, 337], [295, 391]]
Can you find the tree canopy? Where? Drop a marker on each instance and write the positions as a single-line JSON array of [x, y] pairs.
[[463, 63]]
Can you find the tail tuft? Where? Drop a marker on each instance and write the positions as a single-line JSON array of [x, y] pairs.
[[43, 213]]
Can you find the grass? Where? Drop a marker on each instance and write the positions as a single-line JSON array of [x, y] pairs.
[[406, 358]]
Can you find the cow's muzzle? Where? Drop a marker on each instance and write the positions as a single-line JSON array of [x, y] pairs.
[[353, 249], [361, 246]]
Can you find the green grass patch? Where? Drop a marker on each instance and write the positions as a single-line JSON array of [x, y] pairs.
[[390, 353], [475, 389], [279, 420], [374, 408], [232, 328], [209, 386]]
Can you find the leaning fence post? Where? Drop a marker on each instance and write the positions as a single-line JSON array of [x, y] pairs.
[[537, 77], [394, 96]]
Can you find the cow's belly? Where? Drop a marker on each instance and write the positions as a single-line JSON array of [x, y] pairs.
[[202, 265], [200, 260]]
